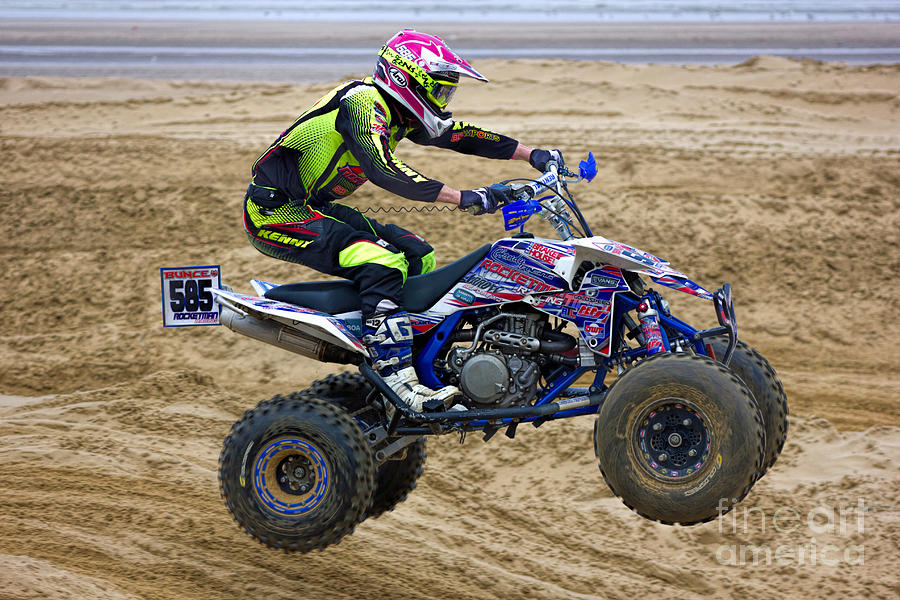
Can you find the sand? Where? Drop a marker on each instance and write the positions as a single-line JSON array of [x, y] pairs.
[[780, 176]]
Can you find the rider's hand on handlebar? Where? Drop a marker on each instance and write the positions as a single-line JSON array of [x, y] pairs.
[[540, 158], [485, 199]]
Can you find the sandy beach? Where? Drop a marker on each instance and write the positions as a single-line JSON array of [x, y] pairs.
[[780, 176]]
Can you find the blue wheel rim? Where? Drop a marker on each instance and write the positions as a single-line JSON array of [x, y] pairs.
[[290, 476], [673, 440]]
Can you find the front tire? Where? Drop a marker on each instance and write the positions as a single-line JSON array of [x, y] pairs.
[[756, 372], [679, 439], [296, 473]]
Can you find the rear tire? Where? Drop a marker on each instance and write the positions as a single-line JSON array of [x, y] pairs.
[[756, 372], [394, 479], [679, 439], [296, 473]]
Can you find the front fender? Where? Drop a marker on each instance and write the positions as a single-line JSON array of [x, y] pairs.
[[599, 249]]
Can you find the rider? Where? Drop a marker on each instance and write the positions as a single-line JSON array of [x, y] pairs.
[[347, 138]]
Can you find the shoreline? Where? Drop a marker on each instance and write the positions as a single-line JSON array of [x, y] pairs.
[[485, 35], [325, 51]]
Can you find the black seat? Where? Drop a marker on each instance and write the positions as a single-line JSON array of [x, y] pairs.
[[340, 296]]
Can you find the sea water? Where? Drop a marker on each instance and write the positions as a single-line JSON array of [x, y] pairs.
[[298, 62], [458, 10]]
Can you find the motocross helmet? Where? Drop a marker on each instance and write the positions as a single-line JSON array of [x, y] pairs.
[[421, 73]]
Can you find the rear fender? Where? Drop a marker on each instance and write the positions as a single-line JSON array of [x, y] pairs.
[[311, 322]]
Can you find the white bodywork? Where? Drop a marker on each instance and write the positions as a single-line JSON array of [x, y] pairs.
[[305, 320], [603, 250]]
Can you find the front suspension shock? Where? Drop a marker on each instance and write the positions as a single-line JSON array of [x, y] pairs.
[[650, 329]]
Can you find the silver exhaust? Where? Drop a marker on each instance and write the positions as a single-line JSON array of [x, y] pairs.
[[285, 337]]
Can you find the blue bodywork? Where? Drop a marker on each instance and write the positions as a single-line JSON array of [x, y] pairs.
[[522, 270]]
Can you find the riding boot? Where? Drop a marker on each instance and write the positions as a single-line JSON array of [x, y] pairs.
[[388, 338]]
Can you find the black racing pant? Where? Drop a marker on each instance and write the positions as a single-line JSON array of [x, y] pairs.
[[337, 240]]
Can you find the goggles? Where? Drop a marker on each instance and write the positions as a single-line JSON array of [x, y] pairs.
[[441, 93], [439, 87]]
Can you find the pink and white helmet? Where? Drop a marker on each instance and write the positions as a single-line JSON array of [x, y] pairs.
[[421, 73]]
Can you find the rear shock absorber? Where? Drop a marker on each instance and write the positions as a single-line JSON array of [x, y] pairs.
[[653, 336]]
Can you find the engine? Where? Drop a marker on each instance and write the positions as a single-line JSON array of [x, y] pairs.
[[500, 368]]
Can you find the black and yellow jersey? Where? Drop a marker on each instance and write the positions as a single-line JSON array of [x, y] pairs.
[[349, 136]]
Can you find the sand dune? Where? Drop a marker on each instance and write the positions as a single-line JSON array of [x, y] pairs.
[[779, 176]]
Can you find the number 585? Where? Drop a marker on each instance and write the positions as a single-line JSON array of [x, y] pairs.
[[190, 295]]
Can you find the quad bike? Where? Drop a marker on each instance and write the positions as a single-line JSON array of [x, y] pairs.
[[687, 420]]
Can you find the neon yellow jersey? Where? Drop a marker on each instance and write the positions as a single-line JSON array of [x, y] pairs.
[[348, 137]]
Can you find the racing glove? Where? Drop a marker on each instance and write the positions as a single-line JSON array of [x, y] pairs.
[[540, 158], [484, 199]]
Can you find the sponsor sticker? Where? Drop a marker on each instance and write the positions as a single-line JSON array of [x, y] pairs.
[[186, 297], [475, 133], [483, 285], [397, 76], [464, 296], [592, 311], [352, 173], [507, 272], [545, 254], [515, 214], [629, 252], [508, 256], [605, 281], [593, 330]]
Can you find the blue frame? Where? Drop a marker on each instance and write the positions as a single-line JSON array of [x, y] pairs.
[[561, 384], [424, 361]]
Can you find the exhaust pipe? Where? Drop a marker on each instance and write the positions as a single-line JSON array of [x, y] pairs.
[[286, 338]]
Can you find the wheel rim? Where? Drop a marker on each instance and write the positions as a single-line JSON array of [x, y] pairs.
[[290, 476], [673, 440]]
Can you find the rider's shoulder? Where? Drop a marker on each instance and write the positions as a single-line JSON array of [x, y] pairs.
[[361, 97], [361, 91]]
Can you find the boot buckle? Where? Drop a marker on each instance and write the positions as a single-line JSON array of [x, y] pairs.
[[382, 364]]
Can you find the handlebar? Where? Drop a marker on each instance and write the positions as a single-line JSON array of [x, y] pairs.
[[549, 181], [553, 207]]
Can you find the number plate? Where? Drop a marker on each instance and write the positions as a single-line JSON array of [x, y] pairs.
[[186, 296]]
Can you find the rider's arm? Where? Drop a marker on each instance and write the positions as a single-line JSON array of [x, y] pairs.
[[469, 139], [469, 146], [449, 195], [522, 152], [367, 139]]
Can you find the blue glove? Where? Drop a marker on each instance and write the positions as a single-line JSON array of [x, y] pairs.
[[485, 199], [540, 158]]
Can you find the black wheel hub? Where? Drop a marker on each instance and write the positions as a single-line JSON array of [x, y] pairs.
[[296, 475], [673, 440]]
